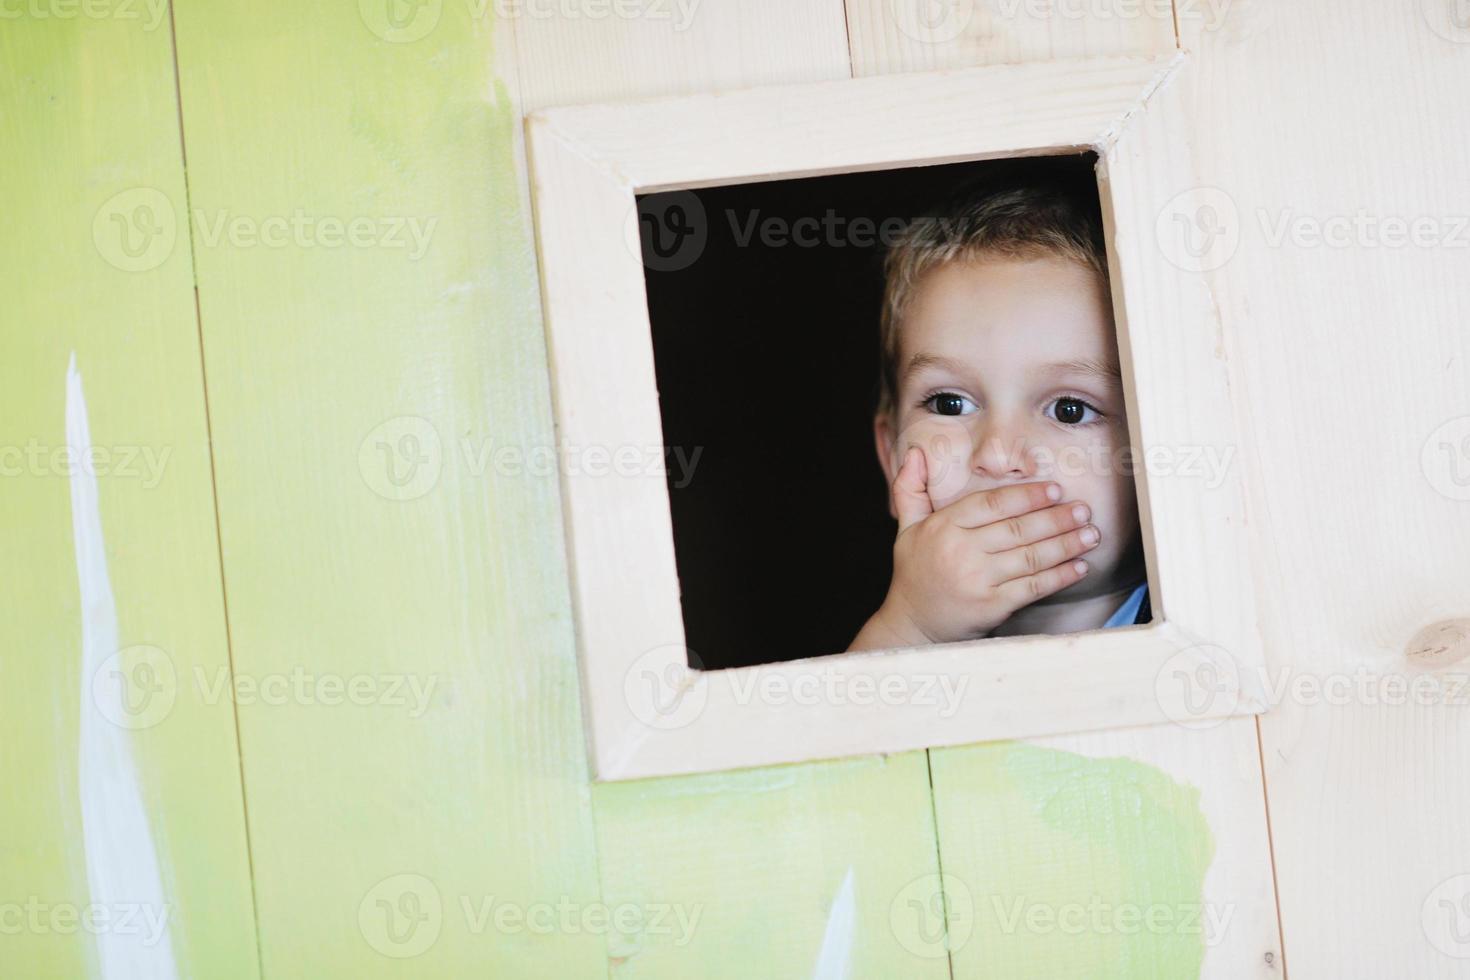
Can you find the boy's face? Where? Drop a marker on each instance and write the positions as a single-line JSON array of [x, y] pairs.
[[993, 386]]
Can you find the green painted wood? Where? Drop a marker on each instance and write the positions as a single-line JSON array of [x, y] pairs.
[[89, 122], [1060, 865], [736, 874], [372, 336]]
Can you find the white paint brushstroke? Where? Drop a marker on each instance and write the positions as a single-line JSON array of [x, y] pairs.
[[835, 960], [122, 865]]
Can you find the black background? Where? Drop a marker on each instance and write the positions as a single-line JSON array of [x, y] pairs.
[[767, 359]]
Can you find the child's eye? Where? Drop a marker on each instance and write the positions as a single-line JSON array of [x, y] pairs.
[[949, 403], [1073, 411]]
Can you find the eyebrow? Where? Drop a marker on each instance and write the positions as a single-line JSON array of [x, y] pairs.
[[923, 360], [1101, 371]]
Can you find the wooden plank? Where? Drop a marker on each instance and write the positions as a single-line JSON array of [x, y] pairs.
[[1115, 854], [1126, 836], [748, 869], [124, 834], [867, 814], [593, 52], [1364, 536], [361, 387], [976, 791], [889, 36], [869, 124]]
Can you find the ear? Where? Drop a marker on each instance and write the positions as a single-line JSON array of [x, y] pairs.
[[883, 437]]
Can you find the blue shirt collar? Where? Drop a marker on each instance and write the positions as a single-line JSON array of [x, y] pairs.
[[1128, 611]]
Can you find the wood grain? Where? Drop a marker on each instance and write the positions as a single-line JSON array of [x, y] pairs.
[[97, 263], [1363, 531], [755, 861], [888, 36], [359, 391], [674, 47]]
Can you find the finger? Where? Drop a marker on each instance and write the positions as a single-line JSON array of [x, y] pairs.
[[988, 506], [1038, 525], [1032, 558], [1023, 591], [910, 489]]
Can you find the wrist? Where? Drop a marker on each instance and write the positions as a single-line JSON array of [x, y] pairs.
[[889, 628]]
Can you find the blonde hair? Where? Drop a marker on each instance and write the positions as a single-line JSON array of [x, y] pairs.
[[1014, 222]]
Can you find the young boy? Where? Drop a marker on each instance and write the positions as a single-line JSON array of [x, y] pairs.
[[999, 427]]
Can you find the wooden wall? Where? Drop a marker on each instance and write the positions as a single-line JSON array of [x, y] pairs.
[[327, 517]]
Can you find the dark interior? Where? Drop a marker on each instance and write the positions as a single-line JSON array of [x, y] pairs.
[[766, 347]]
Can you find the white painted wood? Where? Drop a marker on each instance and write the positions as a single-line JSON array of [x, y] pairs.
[[589, 52], [1353, 347], [647, 713], [857, 124], [888, 36]]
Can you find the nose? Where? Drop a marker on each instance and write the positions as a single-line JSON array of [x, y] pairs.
[[1002, 452]]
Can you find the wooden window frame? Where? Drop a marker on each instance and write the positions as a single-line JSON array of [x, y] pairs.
[[647, 713]]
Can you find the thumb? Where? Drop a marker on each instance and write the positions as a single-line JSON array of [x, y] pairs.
[[910, 491]]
